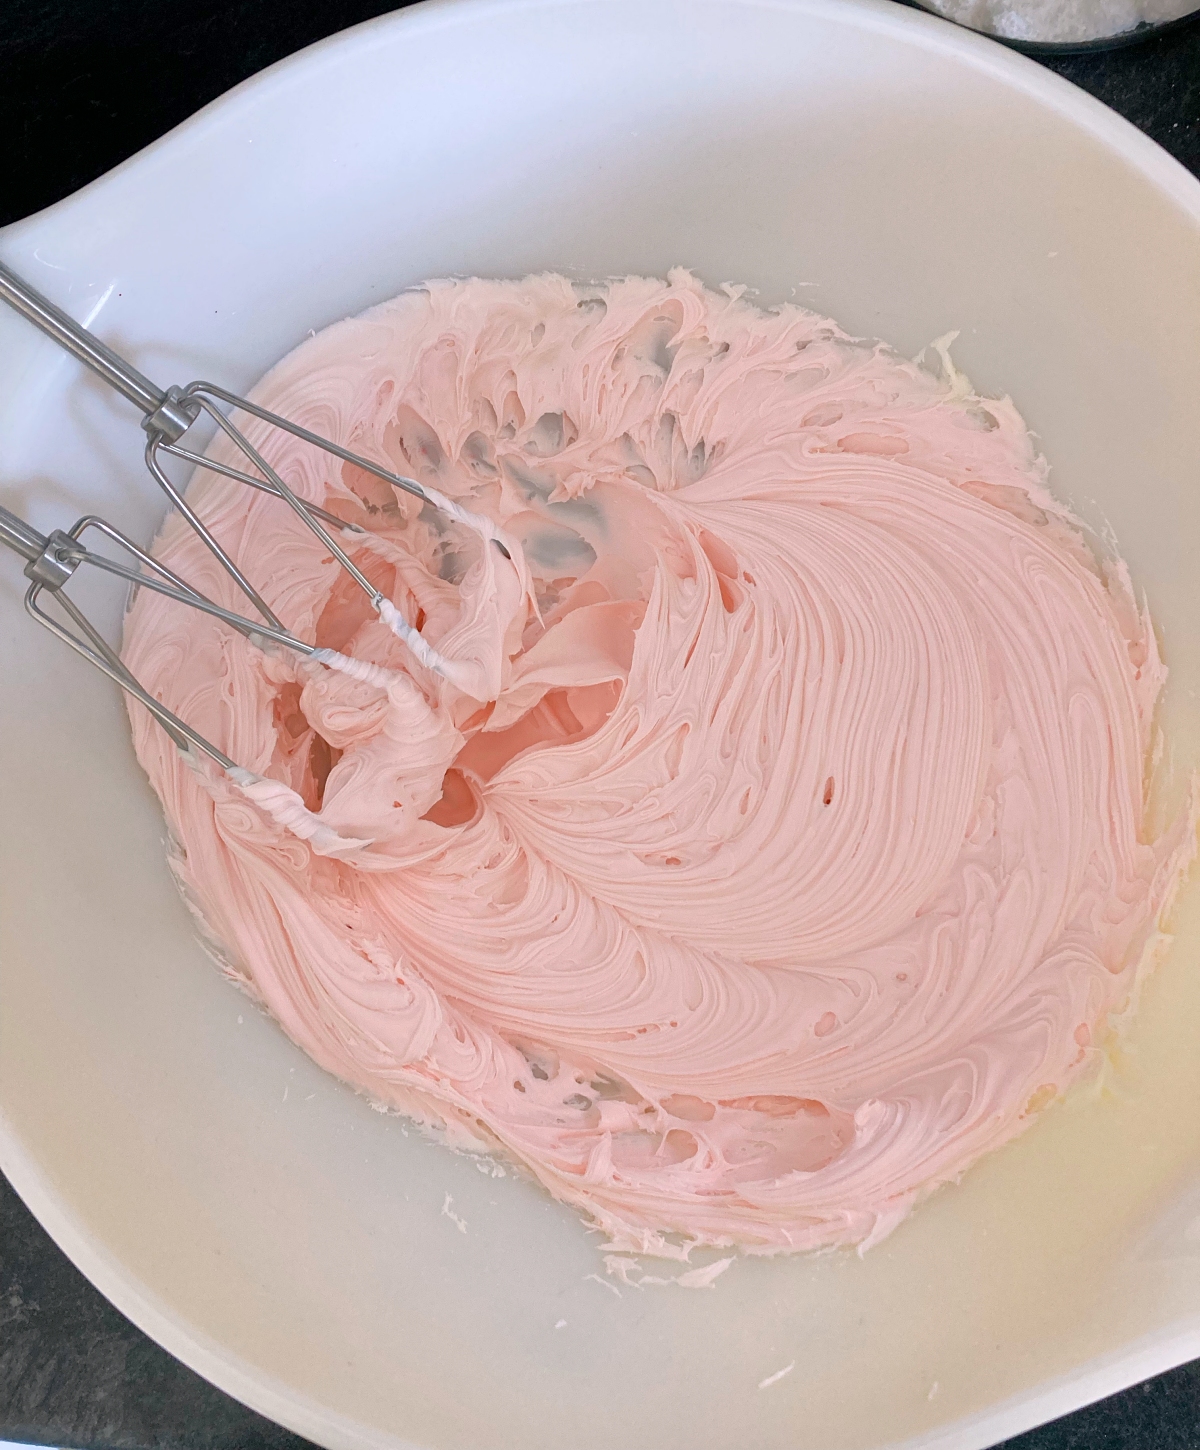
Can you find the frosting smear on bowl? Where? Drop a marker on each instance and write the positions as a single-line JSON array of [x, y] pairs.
[[761, 842]]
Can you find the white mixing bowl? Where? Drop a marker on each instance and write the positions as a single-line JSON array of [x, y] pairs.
[[253, 1215]]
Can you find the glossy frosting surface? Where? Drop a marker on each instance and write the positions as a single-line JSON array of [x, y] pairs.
[[774, 839]]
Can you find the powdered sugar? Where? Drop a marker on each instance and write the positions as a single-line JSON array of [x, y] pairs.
[[1059, 21]]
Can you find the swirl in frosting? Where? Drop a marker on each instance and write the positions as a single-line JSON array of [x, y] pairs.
[[772, 839]]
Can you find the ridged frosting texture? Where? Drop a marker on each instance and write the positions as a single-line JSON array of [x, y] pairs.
[[778, 841]]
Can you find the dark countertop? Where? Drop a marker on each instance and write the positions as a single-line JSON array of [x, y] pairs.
[[83, 84]]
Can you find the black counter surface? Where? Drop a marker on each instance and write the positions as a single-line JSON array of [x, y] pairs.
[[84, 84]]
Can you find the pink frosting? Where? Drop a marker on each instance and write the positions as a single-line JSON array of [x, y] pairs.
[[775, 841]]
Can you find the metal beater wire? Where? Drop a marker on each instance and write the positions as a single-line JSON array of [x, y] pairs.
[[167, 415]]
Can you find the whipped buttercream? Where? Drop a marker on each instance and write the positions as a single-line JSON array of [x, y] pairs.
[[756, 840]]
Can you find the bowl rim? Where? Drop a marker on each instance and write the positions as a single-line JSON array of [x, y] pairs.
[[903, 18]]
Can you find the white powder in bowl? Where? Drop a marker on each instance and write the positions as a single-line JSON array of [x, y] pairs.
[[1059, 21]]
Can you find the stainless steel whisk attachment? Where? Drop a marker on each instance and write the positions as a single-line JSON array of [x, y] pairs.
[[167, 415], [51, 561]]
